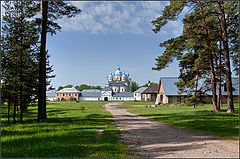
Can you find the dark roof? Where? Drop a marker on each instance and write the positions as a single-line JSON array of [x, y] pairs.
[[122, 94], [106, 89], [151, 89]]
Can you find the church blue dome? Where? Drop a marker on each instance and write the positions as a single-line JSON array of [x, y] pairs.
[[127, 75], [118, 72], [111, 75]]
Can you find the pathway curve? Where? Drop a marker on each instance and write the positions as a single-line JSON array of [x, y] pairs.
[[158, 140]]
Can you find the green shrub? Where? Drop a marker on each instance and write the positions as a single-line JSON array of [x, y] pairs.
[[71, 98]]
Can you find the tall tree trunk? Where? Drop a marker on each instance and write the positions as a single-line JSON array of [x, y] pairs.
[[211, 65], [218, 82], [17, 104], [14, 111], [219, 75], [195, 89], [9, 105], [226, 60], [21, 98], [42, 65]]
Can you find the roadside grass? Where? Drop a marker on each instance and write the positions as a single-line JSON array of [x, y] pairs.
[[201, 119], [68, 132]]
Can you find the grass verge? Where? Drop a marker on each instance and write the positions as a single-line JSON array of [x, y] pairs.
[[69, 131], [201, 119]]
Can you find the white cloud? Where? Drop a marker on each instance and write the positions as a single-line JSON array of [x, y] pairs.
[[116, 18]]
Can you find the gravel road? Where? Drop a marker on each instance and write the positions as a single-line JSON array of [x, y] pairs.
[[152, 139]]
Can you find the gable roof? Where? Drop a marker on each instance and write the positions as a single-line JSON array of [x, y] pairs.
[[106, 89], [122, 94], [151, 89], [235, 86], [170, 88], [90, 94], [140, 90], [68, 90], [90, 90]]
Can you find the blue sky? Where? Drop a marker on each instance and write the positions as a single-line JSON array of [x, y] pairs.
[[107, 34]]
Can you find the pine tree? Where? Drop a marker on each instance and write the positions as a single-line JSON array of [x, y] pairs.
[[203, 36], [50, 12], [19, 59]]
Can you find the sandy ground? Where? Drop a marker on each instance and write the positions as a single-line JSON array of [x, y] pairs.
[[154, 139]]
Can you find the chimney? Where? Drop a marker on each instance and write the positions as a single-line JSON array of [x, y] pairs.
[[149, 83]]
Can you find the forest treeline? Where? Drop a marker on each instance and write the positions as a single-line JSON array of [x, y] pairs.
[[209, 41]]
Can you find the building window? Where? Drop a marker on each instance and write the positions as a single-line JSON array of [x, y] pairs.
[[63, 94], [75, 94], [116, 98], [120, 98]]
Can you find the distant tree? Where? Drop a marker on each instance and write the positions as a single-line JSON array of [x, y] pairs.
[[59, 88], [134, 86], [68, 86], [84, 86], [97, 87]]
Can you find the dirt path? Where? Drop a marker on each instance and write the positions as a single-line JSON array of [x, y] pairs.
[[156, 140]]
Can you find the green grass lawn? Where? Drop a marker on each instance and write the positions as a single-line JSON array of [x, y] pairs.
[[68, 132], [202, 118]]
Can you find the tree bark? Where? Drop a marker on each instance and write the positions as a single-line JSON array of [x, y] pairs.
[[14, 111], [228, 77], [9, 105], [219, 75], [218, 79], [195, 89], [21, 97], [211, 65], [42, 65]]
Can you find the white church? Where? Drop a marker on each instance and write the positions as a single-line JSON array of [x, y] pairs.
[[117, 88]]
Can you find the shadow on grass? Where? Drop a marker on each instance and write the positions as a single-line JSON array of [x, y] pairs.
[[71, 143]]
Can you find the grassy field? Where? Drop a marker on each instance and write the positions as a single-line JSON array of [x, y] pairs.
[[202, 118], [68, 132]]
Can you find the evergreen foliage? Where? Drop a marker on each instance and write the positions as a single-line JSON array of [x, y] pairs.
[[201, 46], [134, 86]]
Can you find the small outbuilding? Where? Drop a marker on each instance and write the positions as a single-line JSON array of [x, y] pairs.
[[138, 96], [168, 91], [150, 94]]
